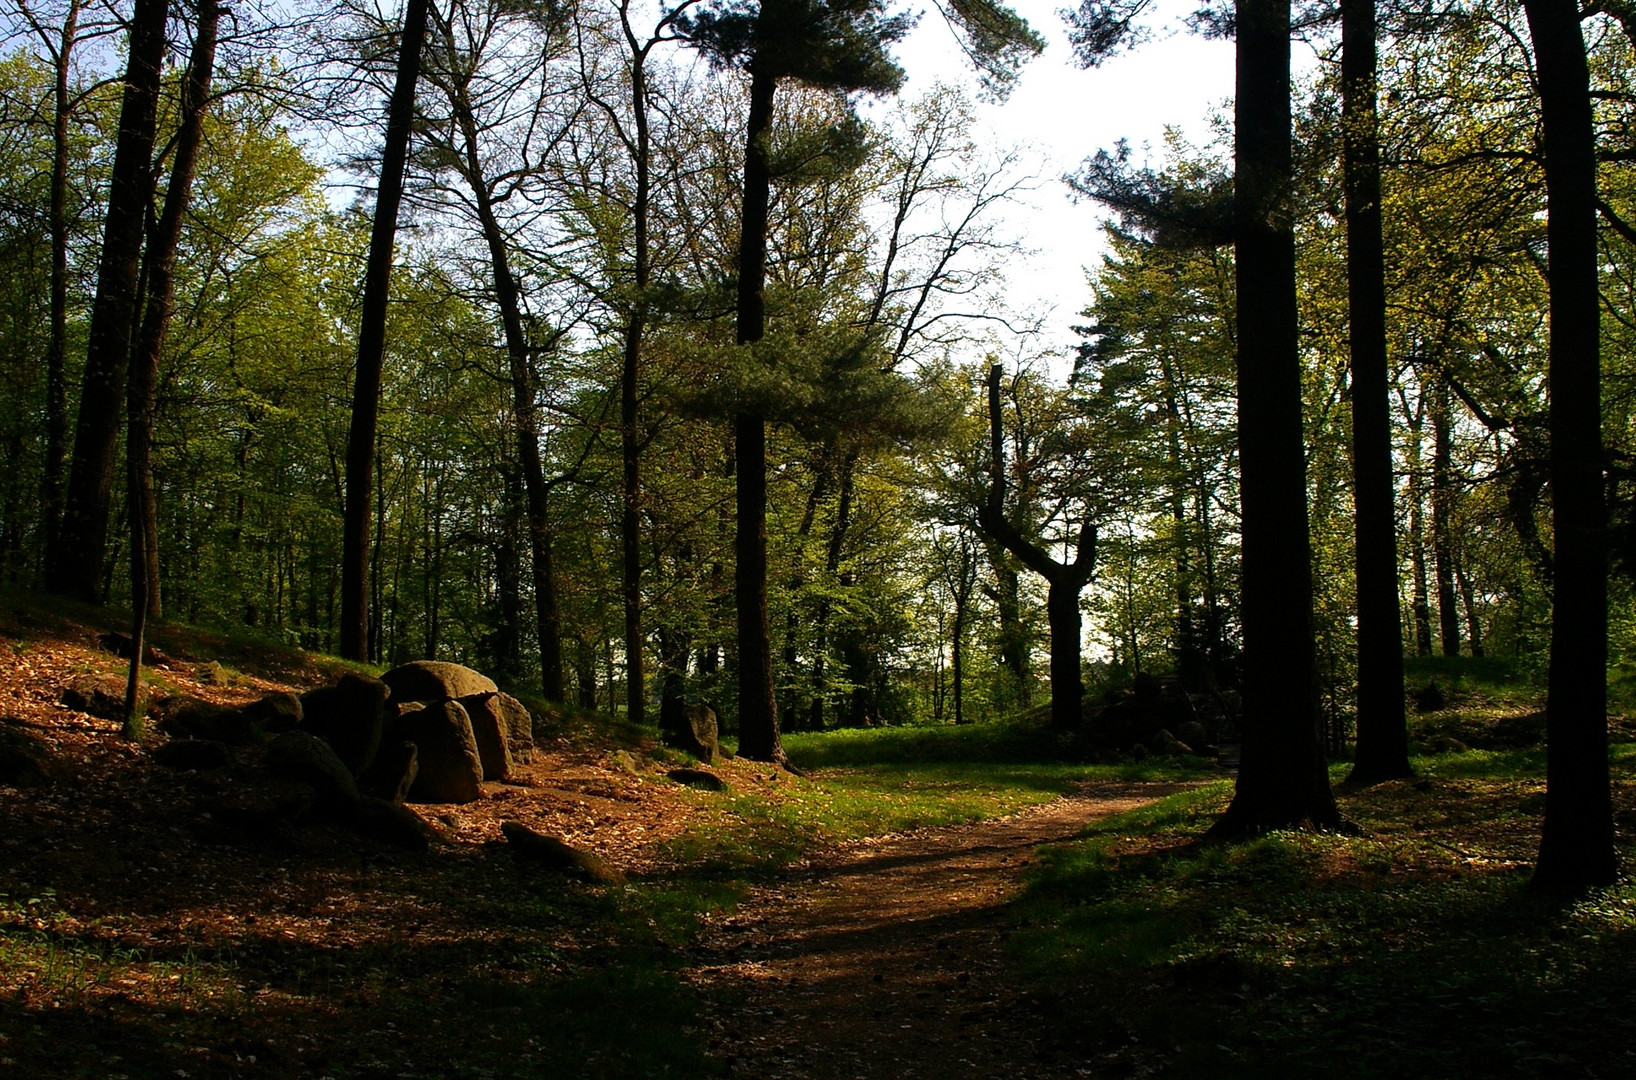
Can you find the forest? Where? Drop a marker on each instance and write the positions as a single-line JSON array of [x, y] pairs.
[[656, 362]]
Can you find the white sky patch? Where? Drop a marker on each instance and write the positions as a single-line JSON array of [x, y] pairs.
[[1065, 115]]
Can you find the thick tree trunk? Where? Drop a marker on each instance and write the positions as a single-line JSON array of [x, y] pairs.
[[1067, 687], [1014, 638], [366, 385], [161, 298], [758, 705], [75, 566], [1577, 845], [1282, 779], [1382, 727]]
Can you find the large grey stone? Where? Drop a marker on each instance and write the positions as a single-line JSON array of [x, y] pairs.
[[303, 756], [557, 854], [450, 768], [489, 728], [348, 716], [435, 680]]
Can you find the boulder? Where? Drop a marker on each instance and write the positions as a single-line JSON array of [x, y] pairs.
[[1430, 698], [349, 716], [488, 728], [552, 852], [190, 718], [514, 720], [193, 755], [434, 680], [120, 645], [698, 778], [102, 696], [696, 733], [275, 713], [392, 823], [1193, 734], [1167, 744], [450, 768], [211, 673], [392, 773], [25, 760], [304, 757]]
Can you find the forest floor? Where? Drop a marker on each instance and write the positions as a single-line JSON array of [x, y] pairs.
[[886, 957], [922, 902]]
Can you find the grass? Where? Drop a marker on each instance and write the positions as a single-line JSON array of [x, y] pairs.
[[1416, 949]]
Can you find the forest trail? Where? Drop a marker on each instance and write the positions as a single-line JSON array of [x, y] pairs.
[[884, 958]]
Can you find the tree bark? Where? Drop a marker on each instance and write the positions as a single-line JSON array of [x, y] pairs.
[[525, 411], [161, 299], [630, 443], [1448, 613], [1382, 750], [1577, 844], [75, 567], [1420, 600], [56, 357], [758, 705], [366, 386], [1282, 779]]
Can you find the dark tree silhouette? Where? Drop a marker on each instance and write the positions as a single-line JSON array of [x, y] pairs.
[[366, 385], [75, 566], [1577, 846], [160, 276], [1383, 738], [1065, 580], [1282, 779]]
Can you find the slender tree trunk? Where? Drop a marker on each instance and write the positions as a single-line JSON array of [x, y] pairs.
[[366, 386], [75, 566], [525, 411], [1420, 600], [1383, 734], [1448, 614], [1577, 845], [758, 705], [1468, 600], [161, 298], [56, 357], [630, 445], [1282, 779]]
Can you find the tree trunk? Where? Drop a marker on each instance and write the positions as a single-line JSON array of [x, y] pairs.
[[1577, 845], [366, 386], [758, 705], [1420, 601], [75, 565], [630, 445], [161, 289], [1066, 579], [56, 357], [1282, 779], [1382, 728], [1448, 614]]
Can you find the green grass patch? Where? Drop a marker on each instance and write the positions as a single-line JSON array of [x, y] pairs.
[[1416, 949]]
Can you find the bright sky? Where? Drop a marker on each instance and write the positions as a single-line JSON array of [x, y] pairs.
[[1066, 114]]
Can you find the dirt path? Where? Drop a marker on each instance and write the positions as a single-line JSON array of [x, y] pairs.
[[884, 959]]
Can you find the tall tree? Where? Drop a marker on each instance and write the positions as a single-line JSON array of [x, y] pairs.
[[840, 45], [366, 383], [1282, 778], [1066, 579], [1382, 728], [75, 567], [1577, 845]]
